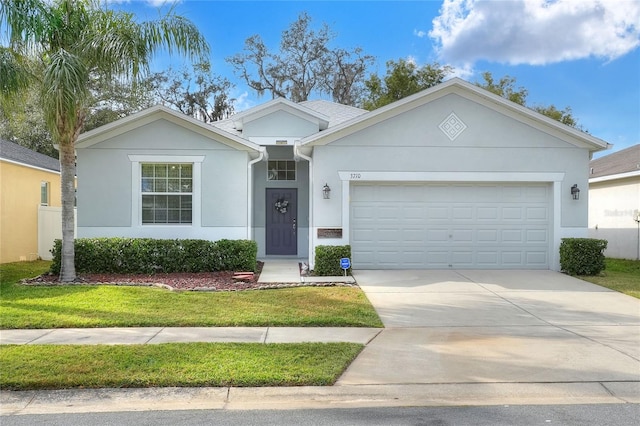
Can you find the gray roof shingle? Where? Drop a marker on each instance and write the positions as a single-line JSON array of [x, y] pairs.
[[624, 161], [14, 152]]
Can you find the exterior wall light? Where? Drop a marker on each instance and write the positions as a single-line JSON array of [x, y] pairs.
[[575, 192], [326, 192]]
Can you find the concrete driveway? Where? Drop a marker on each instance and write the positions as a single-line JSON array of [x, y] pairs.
[[497, 327]]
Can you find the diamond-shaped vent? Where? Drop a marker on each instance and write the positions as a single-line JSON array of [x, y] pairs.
[[452, 126]]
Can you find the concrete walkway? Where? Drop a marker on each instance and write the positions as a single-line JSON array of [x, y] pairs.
[[288, 271], [155, 335]]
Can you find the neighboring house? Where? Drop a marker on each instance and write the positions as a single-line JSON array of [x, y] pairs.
[[29, 188], [451, 177], [614, 202]]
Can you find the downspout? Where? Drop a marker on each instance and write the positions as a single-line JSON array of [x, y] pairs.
[[297, 153], [263, 155]]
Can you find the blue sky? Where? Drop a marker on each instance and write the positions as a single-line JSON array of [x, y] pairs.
[[584, 54]]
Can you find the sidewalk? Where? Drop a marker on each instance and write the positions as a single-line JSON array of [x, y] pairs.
[[155, 335]]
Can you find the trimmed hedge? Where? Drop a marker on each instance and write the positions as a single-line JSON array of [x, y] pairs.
[[148, 255], [328, 260], [582, 256]]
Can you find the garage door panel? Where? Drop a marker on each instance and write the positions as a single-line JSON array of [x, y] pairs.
[[537, 213], [537, 258], [462, 213], [512, 235], [511, 213], [450, 225]]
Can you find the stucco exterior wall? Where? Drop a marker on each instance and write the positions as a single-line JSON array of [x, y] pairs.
[[491, 143], [613, 205], [108, 193], [19, 201]]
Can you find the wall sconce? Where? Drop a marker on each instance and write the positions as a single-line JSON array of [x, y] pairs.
[[326, 192], [575, 191]]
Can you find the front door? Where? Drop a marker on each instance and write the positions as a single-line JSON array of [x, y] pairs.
[[281, 221]]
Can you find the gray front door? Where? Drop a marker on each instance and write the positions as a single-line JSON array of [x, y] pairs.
[[281, 221]]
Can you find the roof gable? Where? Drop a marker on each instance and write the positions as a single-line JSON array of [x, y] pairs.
[[280, 104], [160, 112], [19, 154], [466, 90]]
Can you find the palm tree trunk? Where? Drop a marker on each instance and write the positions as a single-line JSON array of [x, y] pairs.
[[67, 181]]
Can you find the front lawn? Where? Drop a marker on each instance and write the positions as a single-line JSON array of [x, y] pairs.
[[68, 306], [620, 275], [173, 364]]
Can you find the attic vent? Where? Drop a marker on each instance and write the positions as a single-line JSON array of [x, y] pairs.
[[452, 126], [281, 142]]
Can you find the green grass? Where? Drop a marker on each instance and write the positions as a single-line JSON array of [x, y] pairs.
[[173, 364], [70, 306], [620, 275]]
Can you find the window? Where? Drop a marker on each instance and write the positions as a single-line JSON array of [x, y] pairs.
[[167, 191], [281, 170], [44, 193]]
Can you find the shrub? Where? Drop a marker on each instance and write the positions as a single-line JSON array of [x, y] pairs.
[[148, 255], [582, 256], [328, 260]]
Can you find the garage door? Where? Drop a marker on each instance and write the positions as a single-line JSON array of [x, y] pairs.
[[422, 226]]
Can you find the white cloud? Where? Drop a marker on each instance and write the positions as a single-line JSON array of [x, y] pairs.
[[420, 33], [242, 101], [535, 32]]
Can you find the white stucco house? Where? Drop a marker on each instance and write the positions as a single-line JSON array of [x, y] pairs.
[[614, 202], [452, 177]]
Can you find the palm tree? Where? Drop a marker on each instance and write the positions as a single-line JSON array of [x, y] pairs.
[[75, 41]]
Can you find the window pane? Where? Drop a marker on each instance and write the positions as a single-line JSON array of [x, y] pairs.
[[147, 185], [160, 216], [173, 185], [147, 216], [174, 202], [161, 170], [148, 201], [185, 216], [186, 170], [147, 170], [174, 216], [174, 170], [44, 193], [187, 185], [161, 185], [160, 201], [185, 201]]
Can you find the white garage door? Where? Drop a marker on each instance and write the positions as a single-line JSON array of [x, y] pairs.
[[422, 226]]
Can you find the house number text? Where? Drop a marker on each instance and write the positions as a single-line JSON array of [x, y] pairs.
[[356, 175]]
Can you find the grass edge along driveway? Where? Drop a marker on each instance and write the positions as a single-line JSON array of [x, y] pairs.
[[87, 306]]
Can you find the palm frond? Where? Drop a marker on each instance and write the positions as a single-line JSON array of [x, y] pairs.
[[65, 89], [14, 75]]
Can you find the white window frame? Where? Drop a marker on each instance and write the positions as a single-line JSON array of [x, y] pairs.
[[136, 187], [46, 186], [295, 171]]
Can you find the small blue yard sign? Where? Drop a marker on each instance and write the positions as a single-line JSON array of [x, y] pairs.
[[345, 264]]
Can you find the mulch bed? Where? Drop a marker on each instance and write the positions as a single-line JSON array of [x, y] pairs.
[[179, 281]]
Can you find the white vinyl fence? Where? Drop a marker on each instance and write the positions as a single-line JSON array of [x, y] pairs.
[[50, 229]]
